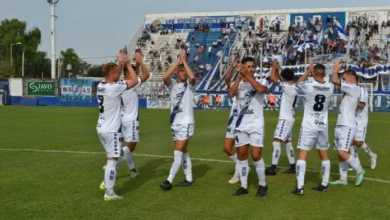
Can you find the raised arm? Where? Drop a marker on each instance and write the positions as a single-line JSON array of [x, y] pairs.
[[167, 75], [189, 72], [335, 73], [307, 73], [233, 90], [124, 60], [229, 73], [145, 73], [256, 85], [275, 72]]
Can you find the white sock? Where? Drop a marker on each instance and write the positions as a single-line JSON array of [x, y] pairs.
[[237, 169], [187, 166], [129, 157], [354, 152], [354, 164], [367, 150], [325, 171], [110, 176], [260, 170], [178, 158], [120, 158], [343, 169], [243, 168], [290, 153], [301, 170], [234, 158], [276, 153]]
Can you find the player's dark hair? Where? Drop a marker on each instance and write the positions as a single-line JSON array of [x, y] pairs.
[[108, 67], [319, 70], [351, 73], [288, 74], [247, 59]]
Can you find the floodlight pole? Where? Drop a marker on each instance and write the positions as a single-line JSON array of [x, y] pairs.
[[53, 18]]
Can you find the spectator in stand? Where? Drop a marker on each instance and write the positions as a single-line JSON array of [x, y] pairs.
[[383, 24], [196, 60], [218, 99], [376, 27], [388, 23], [271, 101], [210, 51], [205, 102], [169, 59]]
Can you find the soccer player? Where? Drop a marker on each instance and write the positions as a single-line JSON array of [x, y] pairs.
[[130, 123], [362, 121], [346, 124], [249, 93], [228, 146], [109, 97], [182, 118], [314, 128], [283, 132]]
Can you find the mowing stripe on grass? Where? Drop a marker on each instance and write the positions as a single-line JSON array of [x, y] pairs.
[[164, 156]]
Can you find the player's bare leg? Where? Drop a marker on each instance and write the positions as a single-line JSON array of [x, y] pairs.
[[228, 148], [325, 171], [373, 157], [301, 170], [243, 169], [258, 161]]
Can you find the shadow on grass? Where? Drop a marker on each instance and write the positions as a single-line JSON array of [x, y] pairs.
[[148, 171]]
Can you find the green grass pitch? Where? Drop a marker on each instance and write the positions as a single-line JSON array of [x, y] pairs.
[[64, 185]]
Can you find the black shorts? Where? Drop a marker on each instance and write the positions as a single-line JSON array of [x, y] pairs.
[[272, 104]]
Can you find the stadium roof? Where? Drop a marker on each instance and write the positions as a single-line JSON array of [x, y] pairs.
[[271, 11]]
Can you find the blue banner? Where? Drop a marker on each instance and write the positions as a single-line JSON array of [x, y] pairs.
[[79, 90], [297, 18]]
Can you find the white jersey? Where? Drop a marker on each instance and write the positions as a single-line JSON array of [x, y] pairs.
[[130, 103], [362, 114], [251, 104], [233, 113], [182, 101], [287, 105], [109, 98], [347, 110], [317, 99]]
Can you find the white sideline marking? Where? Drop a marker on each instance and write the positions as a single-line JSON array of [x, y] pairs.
[[164, 156]]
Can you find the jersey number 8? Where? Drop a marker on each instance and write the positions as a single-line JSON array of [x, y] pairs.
[[101, 100], [319, 105]]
